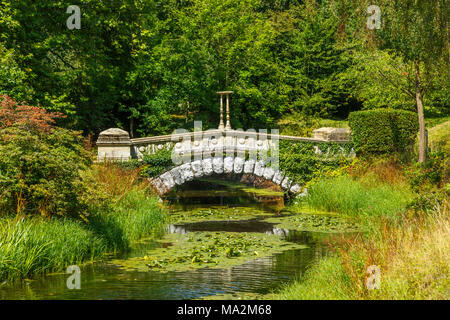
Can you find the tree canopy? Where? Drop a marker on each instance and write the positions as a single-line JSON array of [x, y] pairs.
[[152, 66]]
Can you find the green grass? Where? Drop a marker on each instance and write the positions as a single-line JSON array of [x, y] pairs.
[[300, 125], [439, 137], [135, 216], [327, 280], [35, 245], [356, 198], [333, 123], [411, 248], [432, 122], [412, 256]]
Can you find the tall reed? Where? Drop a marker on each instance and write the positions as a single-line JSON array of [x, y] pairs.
[[413, 255], [348, 196], [35, 245], [122, 211]]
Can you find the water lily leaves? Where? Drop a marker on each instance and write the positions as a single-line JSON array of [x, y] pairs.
[[315, 222], [217, 250]]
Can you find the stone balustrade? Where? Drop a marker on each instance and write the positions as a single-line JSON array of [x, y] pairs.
[[115, 144], [204, 153]]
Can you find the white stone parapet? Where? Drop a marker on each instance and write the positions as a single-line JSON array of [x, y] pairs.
[[115, 143]]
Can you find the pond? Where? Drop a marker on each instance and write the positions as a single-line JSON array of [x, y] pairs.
[[224, 241]]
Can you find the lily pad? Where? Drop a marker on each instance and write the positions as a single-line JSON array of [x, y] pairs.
[[207, 249], [315, 222], [215, 213]]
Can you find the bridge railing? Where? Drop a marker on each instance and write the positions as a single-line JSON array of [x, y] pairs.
[[115, 144]]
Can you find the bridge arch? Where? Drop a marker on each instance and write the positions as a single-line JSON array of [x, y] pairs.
[[218, 165]]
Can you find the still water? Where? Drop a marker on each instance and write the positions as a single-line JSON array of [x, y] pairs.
[[247, 211]]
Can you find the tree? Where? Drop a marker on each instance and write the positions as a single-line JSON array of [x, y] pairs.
[[81, 73], [278, 57], [417, 31]]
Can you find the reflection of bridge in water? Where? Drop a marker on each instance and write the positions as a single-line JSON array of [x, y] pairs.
[[252, 225]]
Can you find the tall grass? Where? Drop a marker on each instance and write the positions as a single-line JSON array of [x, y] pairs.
[[413, 257], [325, 281], [134, 216], [439, 137], [348, 196], [35, 245], [411, 247]]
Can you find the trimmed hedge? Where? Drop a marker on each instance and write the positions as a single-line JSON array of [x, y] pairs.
[[382, 131], [300, 162]]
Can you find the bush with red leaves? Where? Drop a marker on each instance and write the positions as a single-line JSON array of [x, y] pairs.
[[41, 164], [26, 117]]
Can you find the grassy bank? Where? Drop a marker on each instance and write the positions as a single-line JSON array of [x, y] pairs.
[[439, 137], [413, 259], [411, 247], [358, 198], [121, 212]]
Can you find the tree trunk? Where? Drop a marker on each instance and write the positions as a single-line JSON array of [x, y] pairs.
[[419, 104]]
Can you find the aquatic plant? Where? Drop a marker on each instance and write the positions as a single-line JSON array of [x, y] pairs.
[[207, 249], [34, 245]]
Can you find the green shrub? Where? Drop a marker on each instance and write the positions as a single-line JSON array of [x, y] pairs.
[[430, 181], [300, 162], [40, 171], [157, 163], [382, 131]]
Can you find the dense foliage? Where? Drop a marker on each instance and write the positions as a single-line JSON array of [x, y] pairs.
[[156, 163], [39, 164], [40, 173], [382, 131], [152, 66], [305, 161]]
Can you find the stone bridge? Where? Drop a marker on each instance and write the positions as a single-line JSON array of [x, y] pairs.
[[223, 151], [211, 152], [246, 171]]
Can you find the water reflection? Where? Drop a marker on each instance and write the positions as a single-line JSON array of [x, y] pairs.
[[211, 192], [253, 225], [105, 280]]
